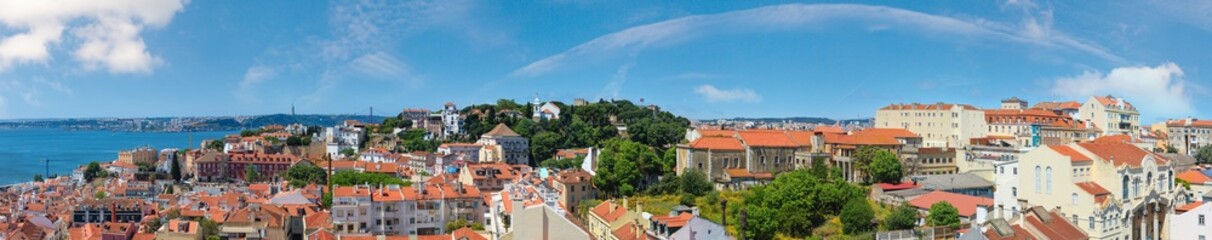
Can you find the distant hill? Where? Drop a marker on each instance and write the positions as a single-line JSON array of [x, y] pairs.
[[814, 120], [185, 124]]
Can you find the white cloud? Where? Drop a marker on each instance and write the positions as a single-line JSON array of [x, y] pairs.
[[1158, 92], [806, 16], [712, 94], [107, 29]]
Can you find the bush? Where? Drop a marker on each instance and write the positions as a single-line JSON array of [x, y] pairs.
[[856, 216]]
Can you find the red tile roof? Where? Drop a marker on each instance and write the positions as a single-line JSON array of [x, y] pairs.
[[764, 138], [1110, 100], [1056, 228], [1121, 153], [466, 233], [717, 133], [1188, 207], [1073, 155], [607, 213], [674, 221], [1192, 122], [801, 138], [919, 106], [717, 143], [1093, 188], [894, 187], [1194, 177], [964, 203], [1019, 234]]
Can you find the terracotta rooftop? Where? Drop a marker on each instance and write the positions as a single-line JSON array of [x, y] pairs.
[[919, 106], [1194, 177], [964, 203], [1121, 153], [1053, 225], [764, 138], [502, 131], [1067, 151], [1188, 207], [717, 143]]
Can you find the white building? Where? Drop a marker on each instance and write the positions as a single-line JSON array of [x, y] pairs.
[[341, 137], [1005, 194], [452, 123], [1190, 222], [423, 209], [1113, 115], [504, 145], [545, 110]]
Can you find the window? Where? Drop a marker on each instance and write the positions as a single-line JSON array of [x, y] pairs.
[[1074, 219], [1037, 186], [1048, 177], [1125, 186], [1014, 191], [1075, 199], [1201, 219], [1091, 222]]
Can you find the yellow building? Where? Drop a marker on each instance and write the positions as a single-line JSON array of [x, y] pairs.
[[940, 124], [1111, 114], [1110, 189]]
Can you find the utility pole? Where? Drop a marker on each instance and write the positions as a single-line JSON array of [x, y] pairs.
[[47, 162]]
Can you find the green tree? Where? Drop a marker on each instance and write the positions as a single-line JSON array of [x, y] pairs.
[[885, 167], [544, 145], [863, 156], [175, 170], [856, 216], [326, 200], [618, 173], [1204, 154], [251, 174], [92, 171], [216, 145], [795, 203], [348, 152], [208, 228], [152, 226], [695, 182], [943, 214], [37, 177], [902, 217], [100, 194], [294, 141], [350, 178], [687, 199], [300, 175]]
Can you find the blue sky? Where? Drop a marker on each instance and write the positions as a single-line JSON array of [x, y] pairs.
[[701, 59]]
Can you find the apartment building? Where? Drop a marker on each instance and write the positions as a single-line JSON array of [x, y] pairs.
[[939, 124], [422, 209], [1188, 135], [488, 177], [1190, 221], [222, 167], [1113, 115], [1109, 189], [574, 185], [138, 155]]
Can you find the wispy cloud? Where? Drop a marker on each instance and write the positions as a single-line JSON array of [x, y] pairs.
[[694, 76], [804, 16], [380, 64], [1157, 91], [615, 84], [712, 94], [108, 31]]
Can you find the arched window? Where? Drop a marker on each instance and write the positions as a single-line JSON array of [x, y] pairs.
[[1149, 178], [1125, 195], [1037, 185], [1074, 198], [1170, 181], [1048, 176]]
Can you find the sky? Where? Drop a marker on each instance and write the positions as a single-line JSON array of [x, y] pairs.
[[699, 59]]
